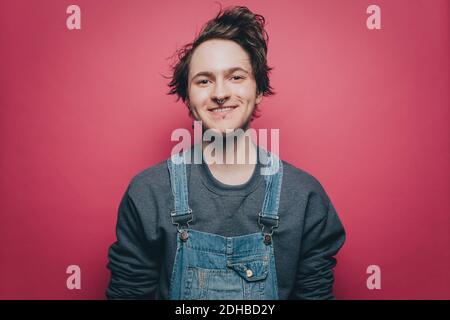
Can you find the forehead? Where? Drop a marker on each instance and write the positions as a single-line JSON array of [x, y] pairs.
[[217, 55]]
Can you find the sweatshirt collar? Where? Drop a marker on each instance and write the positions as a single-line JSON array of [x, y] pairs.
[[220, 188]]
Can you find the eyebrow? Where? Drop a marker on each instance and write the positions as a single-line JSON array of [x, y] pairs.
[[227, 71]]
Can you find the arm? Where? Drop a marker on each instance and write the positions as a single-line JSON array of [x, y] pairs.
[[134, 271], [323, 236]]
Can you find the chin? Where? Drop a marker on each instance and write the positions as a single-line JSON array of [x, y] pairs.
[[222, 128]]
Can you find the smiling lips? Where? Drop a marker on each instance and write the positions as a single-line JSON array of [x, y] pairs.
[[222, 110]]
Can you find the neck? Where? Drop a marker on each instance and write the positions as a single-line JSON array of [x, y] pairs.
[[234, 162], [236, 150]]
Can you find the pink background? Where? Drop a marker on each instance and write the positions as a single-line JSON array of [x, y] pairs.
[[365, 111]]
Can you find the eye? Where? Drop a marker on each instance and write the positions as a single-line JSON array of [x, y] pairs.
[[203, 81], [237, 78]]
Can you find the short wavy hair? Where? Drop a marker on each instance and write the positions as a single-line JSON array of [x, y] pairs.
[[235, 23]]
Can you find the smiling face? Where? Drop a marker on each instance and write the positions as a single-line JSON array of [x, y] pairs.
[[221, 86]]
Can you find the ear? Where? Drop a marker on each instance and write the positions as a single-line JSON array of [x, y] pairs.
[[259, 98]]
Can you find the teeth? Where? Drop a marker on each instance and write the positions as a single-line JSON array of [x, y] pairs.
[[222, 109]]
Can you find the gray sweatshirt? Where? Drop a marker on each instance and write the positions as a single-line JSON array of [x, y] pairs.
[[305, 243]]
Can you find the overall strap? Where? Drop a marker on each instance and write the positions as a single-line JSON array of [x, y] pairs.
[[182, 213], [273, 176]]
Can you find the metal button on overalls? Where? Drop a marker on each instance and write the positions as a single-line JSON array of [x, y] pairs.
[[267, 238], [184, 235]]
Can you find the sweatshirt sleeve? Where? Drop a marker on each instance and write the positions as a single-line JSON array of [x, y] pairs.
[[323, 236], [134, 269]]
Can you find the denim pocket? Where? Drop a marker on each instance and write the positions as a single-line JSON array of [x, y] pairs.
[[217, 284], [251, 269], [244, 278], [254, 271]]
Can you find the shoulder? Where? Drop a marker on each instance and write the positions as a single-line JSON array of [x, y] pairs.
[[303, 190], [298, 182], [149, 180]]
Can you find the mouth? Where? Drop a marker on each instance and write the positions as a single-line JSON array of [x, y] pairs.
[[222, 111]]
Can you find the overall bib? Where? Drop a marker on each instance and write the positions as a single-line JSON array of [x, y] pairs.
[[211, 266]]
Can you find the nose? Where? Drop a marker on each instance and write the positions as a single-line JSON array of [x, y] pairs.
[[220, 93]]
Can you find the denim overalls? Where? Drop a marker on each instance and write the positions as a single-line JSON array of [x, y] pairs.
[[211, 266]]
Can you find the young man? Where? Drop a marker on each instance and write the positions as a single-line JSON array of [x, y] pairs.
[[225, 230]]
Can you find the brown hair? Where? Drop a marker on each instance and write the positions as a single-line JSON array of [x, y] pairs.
[[236, 23]]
